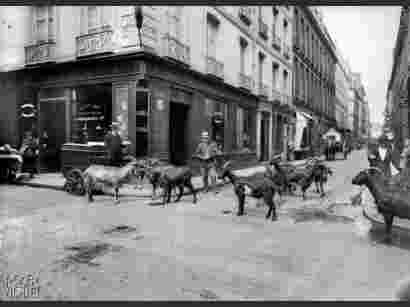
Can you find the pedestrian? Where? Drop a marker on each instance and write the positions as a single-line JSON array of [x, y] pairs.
[[405, 155], [113, 143], [206, 152], [29, 150], [381, 156]]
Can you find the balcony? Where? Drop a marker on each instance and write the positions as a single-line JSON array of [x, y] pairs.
[[286, 51], [214, 67], [263, 90], [176, 50], [276, 42], [245, 82], [263, 29], [95, 43], [40, 53], [245, 14]]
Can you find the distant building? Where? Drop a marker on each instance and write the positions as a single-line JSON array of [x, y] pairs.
[[314, 78]]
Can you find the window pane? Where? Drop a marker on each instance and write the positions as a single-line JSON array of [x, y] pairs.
[[91, 111], [42, 28], [92, 17]]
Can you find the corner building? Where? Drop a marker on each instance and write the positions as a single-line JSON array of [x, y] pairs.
[[227, 70]]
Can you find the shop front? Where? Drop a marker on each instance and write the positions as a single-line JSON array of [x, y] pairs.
[[162, 108], [264, 130]]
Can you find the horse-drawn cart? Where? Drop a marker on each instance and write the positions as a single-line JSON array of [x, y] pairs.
[[10, 164]]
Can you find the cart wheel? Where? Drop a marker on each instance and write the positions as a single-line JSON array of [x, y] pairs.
[[74, 183]]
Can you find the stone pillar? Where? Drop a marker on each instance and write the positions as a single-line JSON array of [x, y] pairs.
[[258, 134]]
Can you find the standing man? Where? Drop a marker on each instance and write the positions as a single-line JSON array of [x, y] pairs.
[[113, 142], [206, 151], [381, 156]]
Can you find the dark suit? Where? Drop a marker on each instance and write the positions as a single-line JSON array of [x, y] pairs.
[[375, 159], [113, 143]]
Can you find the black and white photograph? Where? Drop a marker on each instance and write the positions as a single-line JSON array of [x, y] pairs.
[[204, 153]]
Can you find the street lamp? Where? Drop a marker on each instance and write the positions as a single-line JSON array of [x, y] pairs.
[[139, 18]]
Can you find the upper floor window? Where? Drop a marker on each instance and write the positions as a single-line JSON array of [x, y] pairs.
[[92, 18], [212, 35], [285, 81], [243, 44], [43, 23], [275, 69], [285, 30], [175, 21]]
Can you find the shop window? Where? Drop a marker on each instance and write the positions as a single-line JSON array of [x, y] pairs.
[[243, 129], [142, 115], [91, 111], [219, 114]]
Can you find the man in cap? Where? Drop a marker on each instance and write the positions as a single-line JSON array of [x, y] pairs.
[[381, 156], [206, 151], [113, 143]]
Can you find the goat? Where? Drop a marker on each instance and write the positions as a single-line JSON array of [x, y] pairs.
[[261, 185], [154, 174], [320, 175], [108, 175], [173, 177], [391, 200]]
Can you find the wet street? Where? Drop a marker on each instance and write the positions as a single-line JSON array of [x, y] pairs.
[[141, 251]]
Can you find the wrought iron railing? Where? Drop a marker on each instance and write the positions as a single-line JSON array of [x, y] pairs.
[[214, 67], [175, 49], [95, 43], [40, 53]]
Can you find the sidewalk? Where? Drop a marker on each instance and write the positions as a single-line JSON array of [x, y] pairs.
[[56, 181]]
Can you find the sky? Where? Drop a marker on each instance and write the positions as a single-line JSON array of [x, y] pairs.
[[366, 35]]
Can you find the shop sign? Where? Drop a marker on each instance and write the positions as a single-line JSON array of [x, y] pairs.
[[28, 110], [94, 43]]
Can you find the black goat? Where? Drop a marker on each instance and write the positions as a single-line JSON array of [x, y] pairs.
[[261, 185], [320, 175], [176, 177]]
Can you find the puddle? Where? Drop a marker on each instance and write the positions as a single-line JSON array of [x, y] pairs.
[[302, 215], [120, 229], [226, 211], [203, 293], [86, 252]]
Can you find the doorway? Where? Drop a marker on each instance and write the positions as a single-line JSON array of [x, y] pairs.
[[264, 137], [178, 119], [53, 124]]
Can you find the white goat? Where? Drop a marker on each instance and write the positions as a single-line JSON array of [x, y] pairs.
[[108, 176]]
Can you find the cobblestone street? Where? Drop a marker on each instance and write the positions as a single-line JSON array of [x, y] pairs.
[[141, 251]]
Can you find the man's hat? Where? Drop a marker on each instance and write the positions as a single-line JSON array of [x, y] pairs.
[[204, 135]]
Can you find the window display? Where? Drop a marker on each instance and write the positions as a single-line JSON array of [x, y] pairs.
[[243, 128], [91, 111]]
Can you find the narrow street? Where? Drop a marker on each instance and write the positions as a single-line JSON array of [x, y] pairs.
[[202, 251]]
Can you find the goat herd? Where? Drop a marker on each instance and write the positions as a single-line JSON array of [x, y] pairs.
[[277, 178]]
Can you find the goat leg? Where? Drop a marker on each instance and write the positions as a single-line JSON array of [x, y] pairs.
[[181, 191], [169, 192], [322, 190], [268, 198], [116, 195], [388, 219], [189, 185], [240, 193]]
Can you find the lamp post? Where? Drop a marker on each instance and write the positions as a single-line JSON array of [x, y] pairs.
[[139, 18]]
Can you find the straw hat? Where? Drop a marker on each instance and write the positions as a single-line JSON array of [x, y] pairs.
[[204, 135]]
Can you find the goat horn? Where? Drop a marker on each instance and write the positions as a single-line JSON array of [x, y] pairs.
[[226, 164]]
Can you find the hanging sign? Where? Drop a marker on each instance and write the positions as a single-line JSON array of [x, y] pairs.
[[27, 110]]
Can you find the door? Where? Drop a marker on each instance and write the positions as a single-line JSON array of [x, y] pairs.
[[178, 119], [264, 141], [53, 123]]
